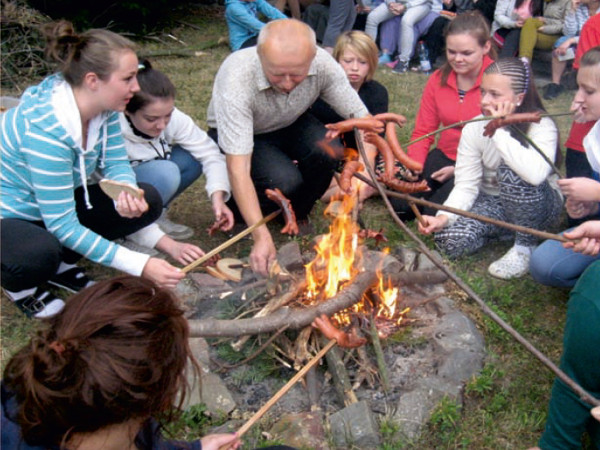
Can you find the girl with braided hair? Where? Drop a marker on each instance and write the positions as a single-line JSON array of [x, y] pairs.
[[101, 371], [502, 176]]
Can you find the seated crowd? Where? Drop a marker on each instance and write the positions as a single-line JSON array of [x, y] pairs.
[[106, 115]]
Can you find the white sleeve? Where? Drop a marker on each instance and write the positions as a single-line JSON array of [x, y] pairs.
[[525, 161], [184, 132], [468, 173]]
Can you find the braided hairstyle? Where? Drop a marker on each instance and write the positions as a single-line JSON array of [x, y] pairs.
[[92, 51], [117, 352], [519, 72]]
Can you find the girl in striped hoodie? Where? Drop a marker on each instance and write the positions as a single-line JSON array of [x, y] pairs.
[[63, 132]]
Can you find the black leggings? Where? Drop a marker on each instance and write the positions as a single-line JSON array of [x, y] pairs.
[[31, 255]]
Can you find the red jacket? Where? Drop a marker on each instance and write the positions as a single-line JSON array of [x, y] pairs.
[[440, 105], [588, 38]]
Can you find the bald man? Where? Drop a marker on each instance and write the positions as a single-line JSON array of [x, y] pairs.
[[257, 115]]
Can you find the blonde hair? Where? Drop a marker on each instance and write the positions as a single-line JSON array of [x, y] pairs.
[[360, 43], [92, 51]]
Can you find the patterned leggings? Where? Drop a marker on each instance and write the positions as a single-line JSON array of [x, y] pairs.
[[519, 202]]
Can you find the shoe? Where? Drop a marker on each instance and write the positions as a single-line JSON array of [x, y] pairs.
[[384, 59], [137, 247], [513, 264], [40, 305], [73, 280], [400, 67], [553, 90], [172, 229]]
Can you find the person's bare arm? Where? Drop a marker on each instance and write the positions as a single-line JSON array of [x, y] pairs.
[[244, 193]]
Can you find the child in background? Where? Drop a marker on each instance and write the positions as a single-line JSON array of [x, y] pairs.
[[243, 22], [169, 151]]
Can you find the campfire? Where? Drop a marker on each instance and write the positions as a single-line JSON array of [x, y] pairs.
[[339, 259]]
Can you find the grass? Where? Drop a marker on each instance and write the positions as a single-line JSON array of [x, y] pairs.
[[505, 406]]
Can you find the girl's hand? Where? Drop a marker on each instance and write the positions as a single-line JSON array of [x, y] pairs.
[[162, 273], [220, 211], [443, 174], [580, 189], [181, 252], [589, 235], [130, 207], [579, 210], [432, 224], [503, 109], [217, 441]]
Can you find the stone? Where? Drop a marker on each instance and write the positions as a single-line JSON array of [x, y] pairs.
[[290, 257], [199, 348], [354, 426], [424, 263], [206, 280], [388, 264], [301, 430], [215, 395], [407, 256]]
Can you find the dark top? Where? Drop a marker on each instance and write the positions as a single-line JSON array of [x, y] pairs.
[[569, 417], [149, 437], [373, 94]]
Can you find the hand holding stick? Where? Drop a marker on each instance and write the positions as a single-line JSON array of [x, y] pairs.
[[230, 242]]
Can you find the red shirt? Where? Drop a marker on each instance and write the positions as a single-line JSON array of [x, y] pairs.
[[576, 135], [588, 38], [441, 105]]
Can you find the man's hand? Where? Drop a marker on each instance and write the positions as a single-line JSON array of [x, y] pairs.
[[263, 253]]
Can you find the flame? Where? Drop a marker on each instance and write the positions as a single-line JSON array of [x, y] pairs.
[[337, 262]]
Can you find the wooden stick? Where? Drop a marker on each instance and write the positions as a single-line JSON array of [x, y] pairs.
[[476, 119], [460, 212], [582, 393], [417, 213], [258, 414], [230, 242]]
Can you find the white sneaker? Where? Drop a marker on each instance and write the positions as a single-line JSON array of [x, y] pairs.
[[513, 264], [41, 304], [174, 230], [127, 243]]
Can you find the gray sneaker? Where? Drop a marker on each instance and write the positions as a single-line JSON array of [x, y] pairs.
[[400, 67], [174, 230]]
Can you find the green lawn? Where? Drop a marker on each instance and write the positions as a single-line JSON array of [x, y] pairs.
[[503, 408]]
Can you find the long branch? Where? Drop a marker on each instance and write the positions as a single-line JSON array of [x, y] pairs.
[[294, 317], [475, 119], [583, 395]]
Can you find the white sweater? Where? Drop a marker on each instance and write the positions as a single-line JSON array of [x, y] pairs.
[[479, 157], [182, 131]]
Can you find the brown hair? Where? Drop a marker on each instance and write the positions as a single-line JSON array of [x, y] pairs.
[[153, 84], [590, 58], [360, 43], [472, 23], [78, 54], [116, 352]]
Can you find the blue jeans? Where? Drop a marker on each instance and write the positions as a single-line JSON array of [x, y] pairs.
[[553, 265], [170, 176]]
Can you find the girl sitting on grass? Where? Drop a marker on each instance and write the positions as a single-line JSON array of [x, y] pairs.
[[501, 176]]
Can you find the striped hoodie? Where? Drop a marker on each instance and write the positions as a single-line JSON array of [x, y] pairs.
[[43, 162]]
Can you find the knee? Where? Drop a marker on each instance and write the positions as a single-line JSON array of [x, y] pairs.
[[289, 184], [154, 200], [543, 265], [165, 179]]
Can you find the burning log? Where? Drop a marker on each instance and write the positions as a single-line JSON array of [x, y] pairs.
[[295, 318]]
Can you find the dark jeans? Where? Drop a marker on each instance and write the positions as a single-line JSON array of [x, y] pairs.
[[512, 37], [434, 39], [31, 255], [439, 192], [291, 160], [577, 165]]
